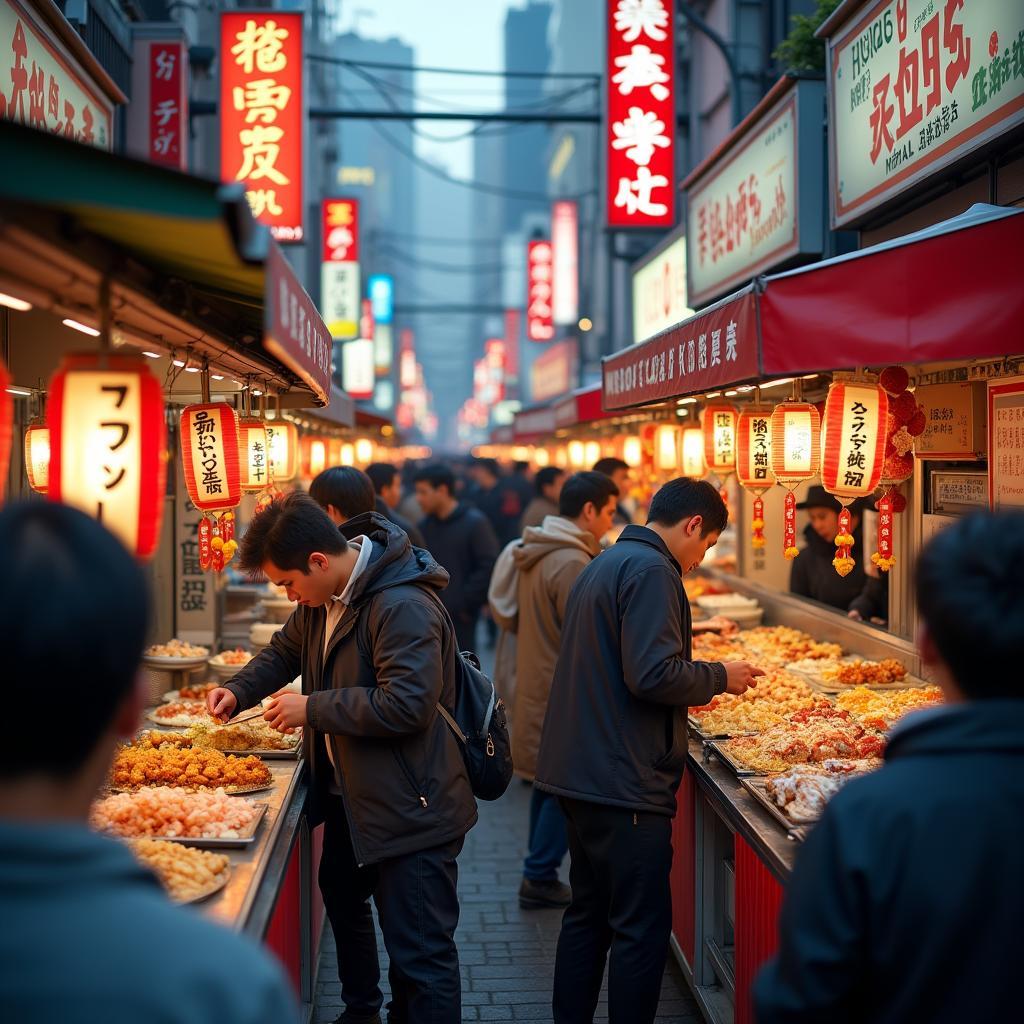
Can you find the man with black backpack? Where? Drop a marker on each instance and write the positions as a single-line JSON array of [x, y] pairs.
[[379, 662]]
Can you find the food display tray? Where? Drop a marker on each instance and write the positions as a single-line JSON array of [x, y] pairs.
[[165, 724], [830, 688], [209, 891], [216, 843], [756, 787], [168, 664], [699, 733], [715, 747]]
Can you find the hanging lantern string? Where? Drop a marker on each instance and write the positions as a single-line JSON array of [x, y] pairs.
[[204, 382]]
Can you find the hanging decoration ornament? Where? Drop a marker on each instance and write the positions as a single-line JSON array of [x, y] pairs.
[[37, 454], [753, 463], [210, 460], [719, 427], [204, 535], [795, 457], [904, 424], [853, 449]]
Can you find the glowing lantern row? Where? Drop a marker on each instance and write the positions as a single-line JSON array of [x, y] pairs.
[[632, 452], [6, 425], [583, 454], [753, 462], [253, 454], [854, 447], [666, 447], [795, 456], [109, 444], [541, 457], [210, 458], [693, 453], [364, 451], [37, 455], [284, 449], [314, 456]]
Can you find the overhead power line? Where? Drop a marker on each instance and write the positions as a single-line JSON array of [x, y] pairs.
[[412, 68], [446, 268]]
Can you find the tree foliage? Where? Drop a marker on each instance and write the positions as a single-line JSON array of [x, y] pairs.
[[800, 51]]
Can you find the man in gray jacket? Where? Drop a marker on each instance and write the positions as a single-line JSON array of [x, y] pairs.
[[376, 652]]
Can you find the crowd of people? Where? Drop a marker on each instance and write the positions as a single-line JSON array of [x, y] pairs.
[[910, 884]]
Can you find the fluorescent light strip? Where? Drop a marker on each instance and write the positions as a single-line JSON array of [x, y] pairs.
[[777, 383], [84, 328], [216, 376], [151, 355], [13, 302], [191, 369], [20, 392]]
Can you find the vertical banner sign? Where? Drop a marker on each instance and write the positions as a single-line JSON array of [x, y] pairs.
[[513, 321], [339, 271], [381, 289], [494, 358], [195, 600], [357, 368], [565, 262], [168, 104], [407, 359], [540, 325], [261, 107], [641, 113]]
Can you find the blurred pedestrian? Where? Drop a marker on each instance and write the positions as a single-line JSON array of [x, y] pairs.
[[387, 483], [547, 484], [614, 744], [908, 893], [377, 656], [620, 475], [461, 539], [500, 503], [343, 492], [541, 570], [88, 934]]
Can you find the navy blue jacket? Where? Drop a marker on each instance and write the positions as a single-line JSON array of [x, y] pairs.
[[615, 730], [906, 900]]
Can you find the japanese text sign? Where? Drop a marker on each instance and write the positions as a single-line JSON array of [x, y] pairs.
[[753, 449], [195, 599], [565, 262], [719, 426], [743, 213], [210, 456], [340, 286], [540, 324], [641, 114], [357, 361], [261, 108], [340, 230], [253, 454], [1006, 445], [659, 292], [854, 432], [43, 85], [168, 99], [714, 348], [554, 372], [914, 86]]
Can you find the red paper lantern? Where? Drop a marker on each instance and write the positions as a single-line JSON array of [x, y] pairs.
[[314, 456], [284, 449], [209, 456], [795, 457], [854, 446], [108, 444], [253, 454], [719, 426], [37, 455], [6, 426], [753, 462]]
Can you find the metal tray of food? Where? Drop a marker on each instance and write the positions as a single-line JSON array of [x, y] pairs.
[[211, 890], [706, 737], [245, 838], [755, 786], [716, 747]]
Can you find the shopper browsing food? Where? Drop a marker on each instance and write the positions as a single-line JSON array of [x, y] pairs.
[[87, 933], [376, 653]]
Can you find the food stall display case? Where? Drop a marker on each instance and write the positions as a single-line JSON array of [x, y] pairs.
[[945, 304]]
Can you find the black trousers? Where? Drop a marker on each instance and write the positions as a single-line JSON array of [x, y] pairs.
[[622, 903], [418, 909]]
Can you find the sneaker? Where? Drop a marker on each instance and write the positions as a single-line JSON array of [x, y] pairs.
[[350, 1017], [535, 895]]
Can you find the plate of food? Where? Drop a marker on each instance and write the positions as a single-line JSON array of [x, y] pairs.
[[252, 737], [196, 818], [175, 655], [187, 874], [180, 713], [187, 767], [227, 663], [888, 674], [196, 692]]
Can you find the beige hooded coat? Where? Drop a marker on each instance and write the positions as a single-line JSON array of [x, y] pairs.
[[546, 562]]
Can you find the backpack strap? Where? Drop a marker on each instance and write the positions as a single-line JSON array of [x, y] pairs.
[[452, 724]]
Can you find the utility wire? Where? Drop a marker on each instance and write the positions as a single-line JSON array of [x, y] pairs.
[[451, 71], [446, 268], [387, 234]]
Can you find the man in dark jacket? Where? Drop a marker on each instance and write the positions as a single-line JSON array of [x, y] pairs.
[[614, 744], [461, 539], [387, 483], [906, 898], [376, 655]]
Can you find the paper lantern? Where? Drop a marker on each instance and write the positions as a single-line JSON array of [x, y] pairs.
[[284, 449], [693, 453], [348, 454], [666, 447], [632, 452], [253, 454], [314, 456], [364, 451], [37, 455], [795, 457], [6, 426], [753, 462], [577, 455], [562, 457], [719, 426], [541, 457], [209, 456], [108, 444], [333, 451], [854, 445]]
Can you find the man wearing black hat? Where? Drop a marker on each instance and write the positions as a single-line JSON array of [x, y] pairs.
[[814, 576]]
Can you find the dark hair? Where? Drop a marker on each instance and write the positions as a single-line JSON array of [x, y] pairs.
[[546, 477], [683, 498], [437, 474], [970, 597], [519, 466], [489, 466], [583, 487], [381, 474], [348, 489], [609, 465], [286, 533], [73, 614]]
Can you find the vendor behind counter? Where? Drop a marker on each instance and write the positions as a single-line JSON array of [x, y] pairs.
[[813, 575]]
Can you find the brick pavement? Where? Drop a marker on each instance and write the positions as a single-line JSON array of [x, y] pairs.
[[507, 954]]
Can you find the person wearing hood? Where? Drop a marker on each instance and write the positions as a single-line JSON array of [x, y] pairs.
[[376, 652], [536, 575], [812, 573], [461, 539], [905, 900], [88, 933]]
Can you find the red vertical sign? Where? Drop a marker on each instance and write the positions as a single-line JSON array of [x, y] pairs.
[[261, 105], [540, 324], [341, 230], [641, 112], [167, 104], [513, 319]]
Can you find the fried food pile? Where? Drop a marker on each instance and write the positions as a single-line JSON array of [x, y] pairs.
[[189, 767], [169, 812], [185, 873]]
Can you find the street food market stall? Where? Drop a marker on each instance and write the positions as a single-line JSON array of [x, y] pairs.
[[928, 333], [152, 338]]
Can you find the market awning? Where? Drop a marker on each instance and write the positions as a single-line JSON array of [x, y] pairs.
[[951, 291], [534, 423], [189, 267], [580, 407]]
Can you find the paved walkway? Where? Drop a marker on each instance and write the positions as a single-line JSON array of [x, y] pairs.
[[507, 954]]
